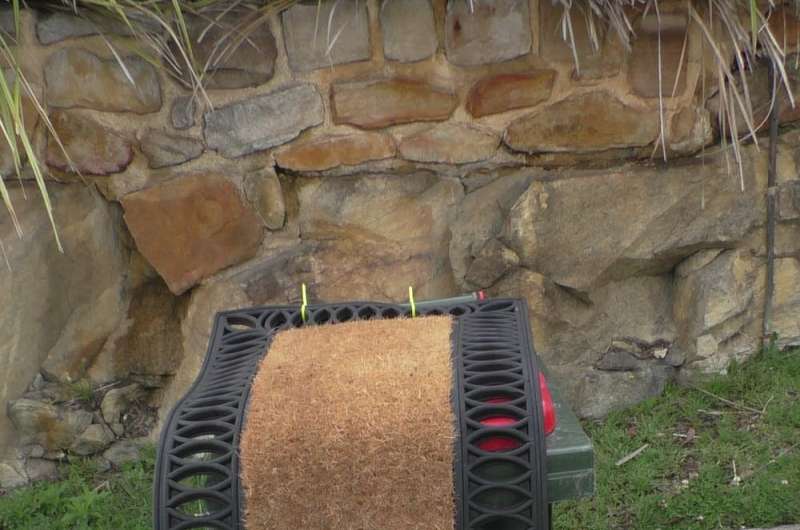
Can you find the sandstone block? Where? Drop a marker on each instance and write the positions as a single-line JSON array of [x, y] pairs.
[[450, 143], [311, 45], [92, 148], [378, 104], [263, 121], [191, 227], [77, 78], [329, 152], [409, 30], [499, 93], [593, 121], [489, 33]]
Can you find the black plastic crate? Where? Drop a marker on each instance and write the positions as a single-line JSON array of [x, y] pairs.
[[197, 481]]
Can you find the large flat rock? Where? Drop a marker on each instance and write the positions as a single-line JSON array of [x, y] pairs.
[[191, 227], [326, 33], [599, 226], [381, 103], [409, 30], [377, 234], [593, 121], [503, 92], [229, 58], [77, 78], [88, 147], [332, 151], [263, 121], [487, 32], [450, 143]]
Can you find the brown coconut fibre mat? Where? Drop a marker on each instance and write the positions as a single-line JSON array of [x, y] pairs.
[[350, 426]]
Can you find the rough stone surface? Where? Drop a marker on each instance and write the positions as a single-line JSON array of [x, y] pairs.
[[715, 311], [644, 65], [591, 64], [690, 130], [146, 346], [378, 104], [491, 33], [450, 143], [500, 93], [787, 300], [243, 62], [333, 151], [310, 46], [587, 122], [163, 149], [191, 227], [52, 427], [92, 148], [480, 218], [789, 201], [77, 78], [377, 234], [57, 26], [620, 389], [12, 476], [48, 391], [263, 121], [263, 190], [123, 452], [409, 30], [575, 328], [718, 307], [623, 224], [39, 469], [629, 278], [117, 400], [182, 112], [79, 295], [490, 264], [787, 240], [93, 440], [272, 279]]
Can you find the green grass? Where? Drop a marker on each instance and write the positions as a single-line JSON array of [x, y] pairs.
[[687, 481], [85, 500], [677, 482]]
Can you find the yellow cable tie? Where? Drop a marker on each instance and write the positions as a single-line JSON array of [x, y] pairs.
[[411, 299], [303, 308]]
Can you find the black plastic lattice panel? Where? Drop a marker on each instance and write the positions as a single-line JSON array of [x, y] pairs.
[[197, 469]]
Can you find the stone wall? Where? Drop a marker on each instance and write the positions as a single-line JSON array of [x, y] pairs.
[[424, 145]]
